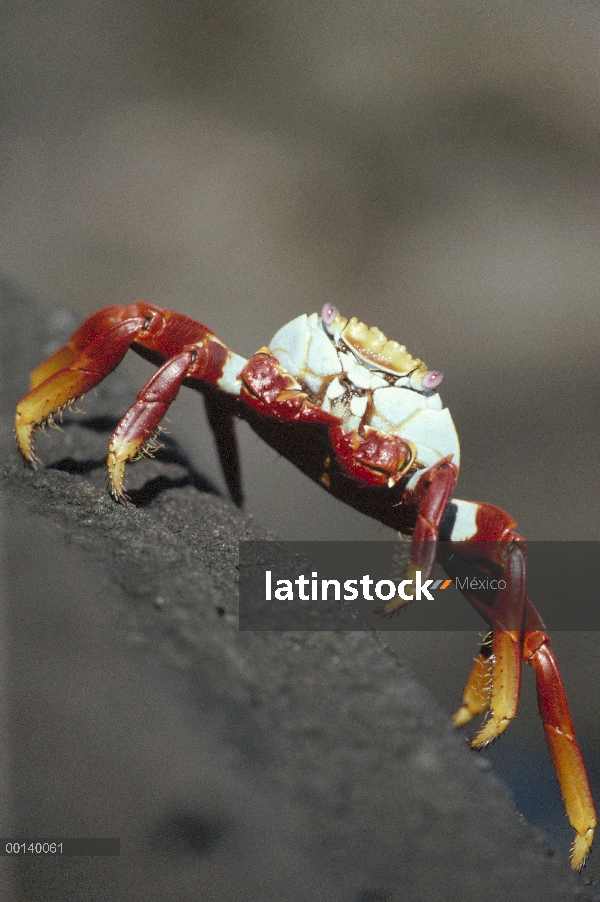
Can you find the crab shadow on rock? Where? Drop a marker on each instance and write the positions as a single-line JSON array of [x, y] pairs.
[[150, 481]]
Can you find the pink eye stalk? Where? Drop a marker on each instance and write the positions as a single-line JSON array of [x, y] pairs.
[[432, 379], [329, 313]]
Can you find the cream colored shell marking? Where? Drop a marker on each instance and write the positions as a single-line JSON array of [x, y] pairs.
[[379, 388]]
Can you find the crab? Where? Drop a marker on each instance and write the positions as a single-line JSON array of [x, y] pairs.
[[362, 417]]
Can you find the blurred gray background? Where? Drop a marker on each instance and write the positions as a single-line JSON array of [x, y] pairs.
[[433, 168]]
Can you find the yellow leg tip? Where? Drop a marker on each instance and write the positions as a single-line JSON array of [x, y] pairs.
[[24, 436], [395, 604], [116, 476], [120, 451], [462, 716], [392, 607], [581, 848], [491, 729]]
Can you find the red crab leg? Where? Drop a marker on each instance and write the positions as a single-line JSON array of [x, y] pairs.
[[494, 685], [268, 389], [56, 385], [144, 416], [223, 428], [204, 361], [93, 328], [558, 726], [97, 347], [506, 650], [476, 697], [435, 488], [373, 458], [432, 494], [477, 694], [564, 749]]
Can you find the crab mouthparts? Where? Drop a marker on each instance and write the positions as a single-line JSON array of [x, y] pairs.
[[378, 352]]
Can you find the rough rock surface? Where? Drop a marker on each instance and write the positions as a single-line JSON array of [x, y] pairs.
[[231, 765]]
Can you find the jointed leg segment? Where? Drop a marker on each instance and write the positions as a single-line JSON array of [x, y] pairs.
[[57, 384], [98, 346], [144, 416], [433, 494], [494, 686], [563, 745]]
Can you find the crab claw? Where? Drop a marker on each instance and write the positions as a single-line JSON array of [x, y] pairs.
[[271, 391]]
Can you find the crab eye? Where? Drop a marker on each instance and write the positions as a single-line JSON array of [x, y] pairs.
[[329, 313], [432, 379]]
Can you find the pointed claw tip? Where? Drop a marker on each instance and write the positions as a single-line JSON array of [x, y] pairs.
[[29, 459], [24, 439], [479, 743], [26, 454], [580, 849], [119, 494], [462, 717], [116, 490]]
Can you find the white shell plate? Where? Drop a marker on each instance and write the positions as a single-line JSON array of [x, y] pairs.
[[306, 351]]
